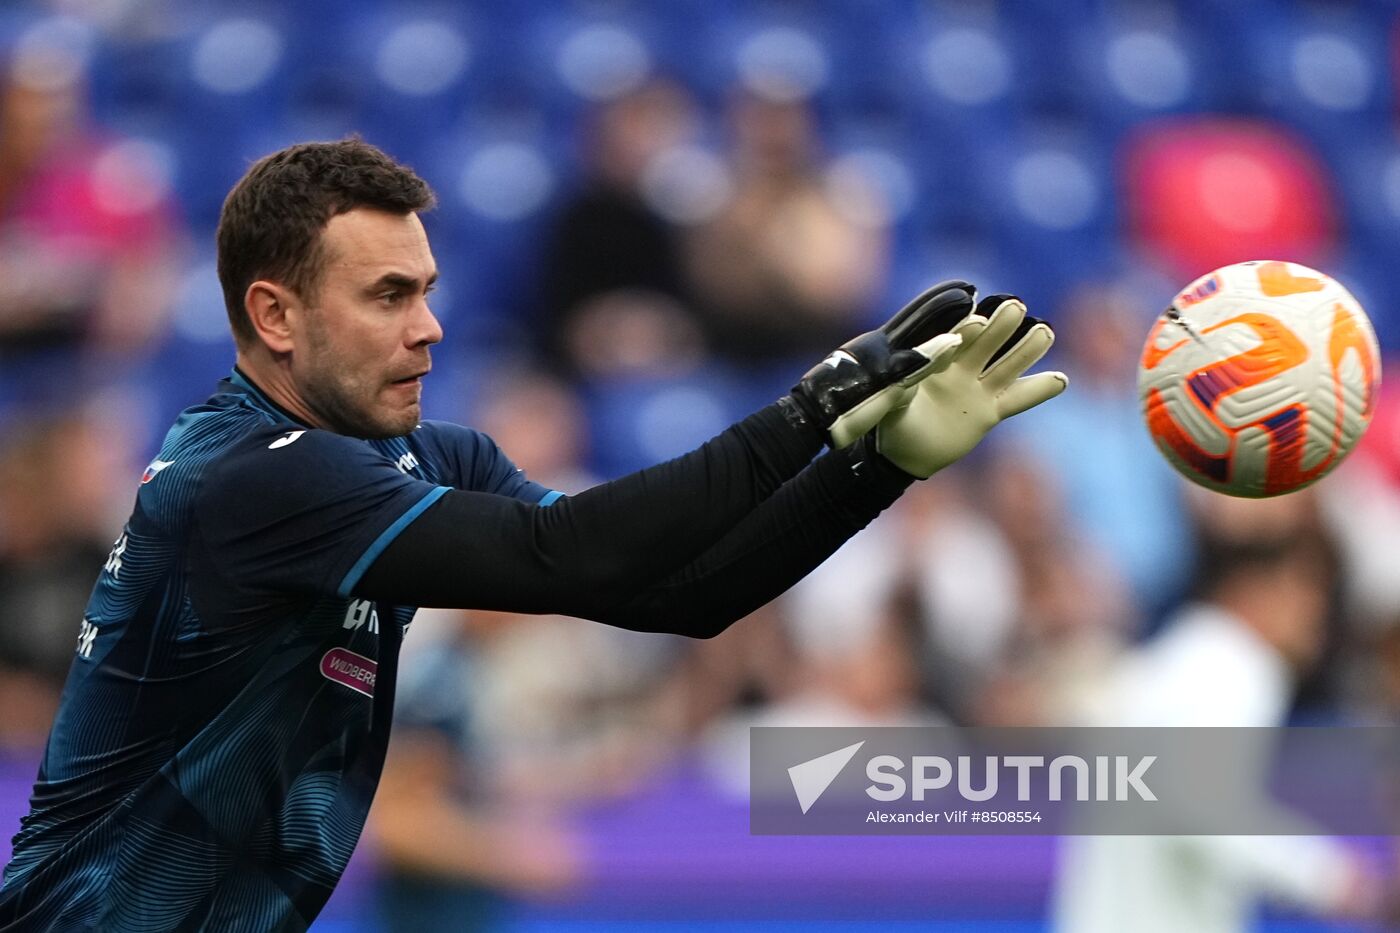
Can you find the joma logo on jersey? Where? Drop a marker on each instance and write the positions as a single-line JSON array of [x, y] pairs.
[[289, 438], [359, 612]]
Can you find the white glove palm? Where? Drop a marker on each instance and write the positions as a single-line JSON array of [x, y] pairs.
[[951, 411], [938, 351]]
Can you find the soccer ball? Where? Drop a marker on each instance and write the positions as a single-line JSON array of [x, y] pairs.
[[1260, 378]]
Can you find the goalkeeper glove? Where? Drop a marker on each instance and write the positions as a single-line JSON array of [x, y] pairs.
[[952, 410], [866, 378]]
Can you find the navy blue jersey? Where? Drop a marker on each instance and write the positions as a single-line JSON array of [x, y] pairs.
[[225, 720]]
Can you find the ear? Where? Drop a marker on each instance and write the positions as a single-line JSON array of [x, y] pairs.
[[271, 308]]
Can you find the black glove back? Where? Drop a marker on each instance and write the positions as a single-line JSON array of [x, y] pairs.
[[876, 360]]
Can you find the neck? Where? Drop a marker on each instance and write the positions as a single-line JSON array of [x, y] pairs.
[[273, 378]]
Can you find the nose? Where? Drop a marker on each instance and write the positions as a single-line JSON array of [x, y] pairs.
[[424, 329]]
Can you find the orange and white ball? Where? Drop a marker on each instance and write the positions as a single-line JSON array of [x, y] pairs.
[[1260, 378]]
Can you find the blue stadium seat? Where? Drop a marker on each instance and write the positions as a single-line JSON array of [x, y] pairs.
[[582, 55], [961, 73], [413, 67], [1050, 191], [134, 87], [1325, 71], [1366, 168], [1124, 73]]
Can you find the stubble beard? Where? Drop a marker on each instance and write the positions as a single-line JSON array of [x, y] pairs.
[[346, 404], [334, 401]]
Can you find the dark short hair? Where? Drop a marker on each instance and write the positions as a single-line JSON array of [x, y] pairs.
[[271, 223]]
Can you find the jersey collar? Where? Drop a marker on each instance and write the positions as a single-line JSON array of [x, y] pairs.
[[240, 380]]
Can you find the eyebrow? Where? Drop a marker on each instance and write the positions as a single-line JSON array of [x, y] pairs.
[[399, 280]]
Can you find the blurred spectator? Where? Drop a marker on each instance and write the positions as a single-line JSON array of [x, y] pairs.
[[554, 689], [1361, 503], [1119, 491], [1226, 525], [542, 425], [1065, 636], [501, 723], [851, 656], [86, 229], [453, 853], [503, 719], [1379, 676], [1072, 612], [967, 582], [856, 641], [613, 289], [1012, 616], [1232, 659], [750, 666], [871, 680], [781, 271], [56, 532]]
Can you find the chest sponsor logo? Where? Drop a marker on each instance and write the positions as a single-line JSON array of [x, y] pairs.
[[350, 670]]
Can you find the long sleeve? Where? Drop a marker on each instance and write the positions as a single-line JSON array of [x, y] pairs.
[[595, 550], [770, 550]]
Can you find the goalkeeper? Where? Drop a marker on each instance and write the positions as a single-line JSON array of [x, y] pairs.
[[225, 720]]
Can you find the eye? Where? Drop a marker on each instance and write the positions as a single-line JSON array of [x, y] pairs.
[[389, 299]]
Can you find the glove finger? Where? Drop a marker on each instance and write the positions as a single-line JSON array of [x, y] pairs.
[[937, 354], [1022, 329], [970, 330], [988, 306], [1022, 356], [864, 416], [933, 312], [1029, 391], [1000, 326]]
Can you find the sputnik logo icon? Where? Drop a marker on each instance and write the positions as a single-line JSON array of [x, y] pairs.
[[811, 778]]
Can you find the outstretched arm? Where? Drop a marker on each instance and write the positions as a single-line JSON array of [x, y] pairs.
[[591, 553], [483, 551], [622, 569], [781, 542]]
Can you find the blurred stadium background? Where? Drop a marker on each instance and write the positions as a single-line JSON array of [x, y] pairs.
[[652, 217]]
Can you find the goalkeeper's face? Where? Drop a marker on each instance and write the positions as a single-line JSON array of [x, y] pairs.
[[362, 352]]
